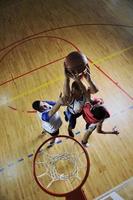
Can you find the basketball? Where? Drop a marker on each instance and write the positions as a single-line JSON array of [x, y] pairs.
[[75, 62]]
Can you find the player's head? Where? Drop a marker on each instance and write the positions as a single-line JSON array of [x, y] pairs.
[[76, 90], [39, 105], [76, 62], [100, 112]]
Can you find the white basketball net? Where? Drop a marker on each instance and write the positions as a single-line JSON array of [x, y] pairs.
[[51, 169]]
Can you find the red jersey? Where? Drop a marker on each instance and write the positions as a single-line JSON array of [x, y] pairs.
[[87, 115]]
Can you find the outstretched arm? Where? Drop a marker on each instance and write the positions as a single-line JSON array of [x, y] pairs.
[[99, 129], [92, 87], [66, 87], [82, 86], [61, 101]]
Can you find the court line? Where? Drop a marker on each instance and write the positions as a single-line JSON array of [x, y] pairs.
[[63, 27], [19, 160], [115, 188], [38, 68], [93, 63], [30, 155], [55, 37], [114, 82], [102, 59], [48, 83], [109, 57], [29, 72], [113, 196]]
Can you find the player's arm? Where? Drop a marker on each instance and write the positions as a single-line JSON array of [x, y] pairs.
[[92, 88], [61, 101], [99, 129], [82, 86], [66, 86]]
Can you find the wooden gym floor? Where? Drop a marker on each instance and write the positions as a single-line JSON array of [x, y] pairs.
[[35, 36]]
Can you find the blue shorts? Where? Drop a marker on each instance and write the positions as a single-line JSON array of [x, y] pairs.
[[71, 118]]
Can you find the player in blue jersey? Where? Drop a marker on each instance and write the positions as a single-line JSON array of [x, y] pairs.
[[49, 115]]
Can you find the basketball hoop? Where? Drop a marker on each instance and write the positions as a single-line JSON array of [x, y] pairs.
[[62, 169]]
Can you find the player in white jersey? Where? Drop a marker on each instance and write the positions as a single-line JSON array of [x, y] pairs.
[[76, 95], [49, 115]]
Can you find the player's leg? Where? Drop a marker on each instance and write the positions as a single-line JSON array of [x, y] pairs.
[[72, 123], [88, 132], [53, 140]]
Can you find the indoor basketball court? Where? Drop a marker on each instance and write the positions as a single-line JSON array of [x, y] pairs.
[[35, 38]]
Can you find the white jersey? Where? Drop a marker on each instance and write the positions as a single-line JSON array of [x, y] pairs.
[[76, 106], [50, 124]]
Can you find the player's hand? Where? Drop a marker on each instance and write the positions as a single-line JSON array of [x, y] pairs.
[[87, 70], [67, 73], [115, 130], [75, 77], [63, 100]]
